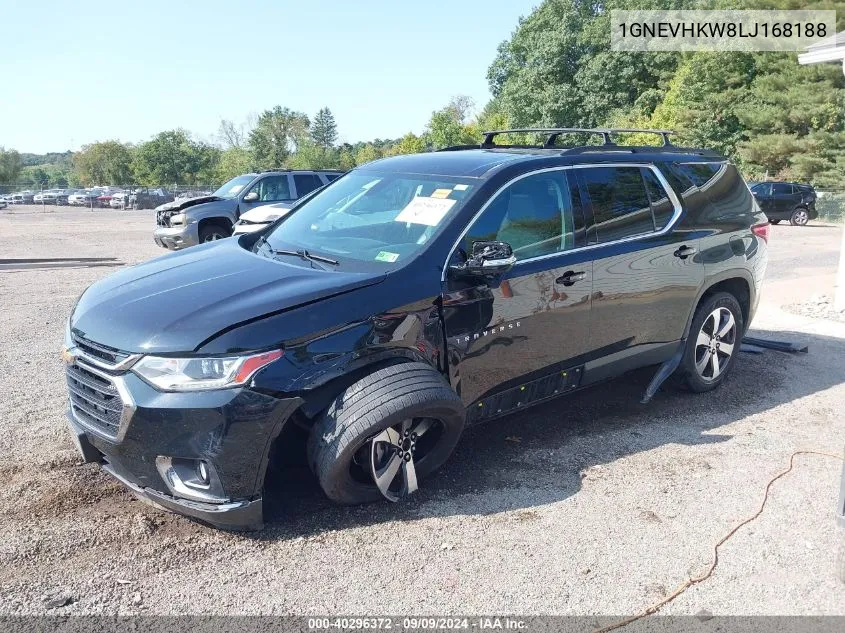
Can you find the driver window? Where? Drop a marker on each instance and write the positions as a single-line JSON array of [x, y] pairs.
[[533, 215], [272, 189]]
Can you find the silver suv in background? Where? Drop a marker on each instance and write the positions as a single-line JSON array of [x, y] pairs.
[[191, 221]]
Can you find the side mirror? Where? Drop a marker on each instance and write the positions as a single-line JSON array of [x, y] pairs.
[[487, 259], [252, 196]]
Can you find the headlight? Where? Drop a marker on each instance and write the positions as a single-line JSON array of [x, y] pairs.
[[179, 218], [196, 374]]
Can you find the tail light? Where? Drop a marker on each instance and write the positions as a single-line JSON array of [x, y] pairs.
[[761, 231]]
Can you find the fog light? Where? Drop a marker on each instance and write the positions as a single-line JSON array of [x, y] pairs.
[[202, 473]]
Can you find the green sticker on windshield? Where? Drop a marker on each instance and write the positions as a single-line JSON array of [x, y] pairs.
[[385, 256]]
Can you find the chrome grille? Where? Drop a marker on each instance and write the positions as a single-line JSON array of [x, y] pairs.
[[104, 353], [94, 400]]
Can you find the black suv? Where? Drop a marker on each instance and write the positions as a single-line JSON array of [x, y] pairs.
[[786, 201], [410, 297]]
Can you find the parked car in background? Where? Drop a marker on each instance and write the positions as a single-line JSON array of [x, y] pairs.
[[149, 198], [261, 217], [3, 202], [83, 198], [791, 201], [191, 221], [119, 200]]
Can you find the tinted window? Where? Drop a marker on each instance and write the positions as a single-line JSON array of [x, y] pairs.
[[700, 173], [272, 189], [331, 177], [779, 188], [533, 215], [661, 206], [621, 207], [306, 183], [763, 189]]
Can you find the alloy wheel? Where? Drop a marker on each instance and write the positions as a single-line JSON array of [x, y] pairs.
[[715, 344], [800, 217], [393, 456]]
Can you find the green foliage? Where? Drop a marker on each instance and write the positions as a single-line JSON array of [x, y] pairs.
[[324, 129], [408, 144], [449, 126], [233, 162], [10, 165], [367, 153], [174, 157], [276, 136], [104, 163], [772, 116]]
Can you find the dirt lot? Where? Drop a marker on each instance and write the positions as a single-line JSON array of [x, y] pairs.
[[593, 505]]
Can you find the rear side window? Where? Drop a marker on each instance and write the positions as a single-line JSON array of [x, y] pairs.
[[534, 215], [306, 183], [661, 206], [700, 173], [779, 188], [620, 202]]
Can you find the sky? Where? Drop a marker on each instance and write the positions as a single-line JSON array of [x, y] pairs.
[[79, 72]]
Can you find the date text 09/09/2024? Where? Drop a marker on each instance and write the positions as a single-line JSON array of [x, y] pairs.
[[418, 623]]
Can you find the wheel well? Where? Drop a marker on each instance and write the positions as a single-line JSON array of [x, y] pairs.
[[738, 287], [220, 221]]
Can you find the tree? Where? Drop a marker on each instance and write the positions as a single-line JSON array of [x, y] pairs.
[[366, 154], [324, 129], [231, 135], [104, 163], [10, 165], [174, 157], [408, 144], [449, 126], [233, 162], [276, 135]]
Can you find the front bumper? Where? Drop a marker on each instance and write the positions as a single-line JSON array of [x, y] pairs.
[[231, 431], [176, 237]]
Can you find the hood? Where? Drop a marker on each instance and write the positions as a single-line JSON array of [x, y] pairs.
[[184, 203], [177, 302], [263, 213]]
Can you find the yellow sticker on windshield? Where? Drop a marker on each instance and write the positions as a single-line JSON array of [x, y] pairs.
[[441, 193]]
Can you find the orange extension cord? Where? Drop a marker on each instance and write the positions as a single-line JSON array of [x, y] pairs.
[[694, 581]]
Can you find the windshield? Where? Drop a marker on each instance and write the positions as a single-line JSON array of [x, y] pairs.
[[381, 218], [234, 186]]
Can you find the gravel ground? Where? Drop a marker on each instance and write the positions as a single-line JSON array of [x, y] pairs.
[[591, 505]]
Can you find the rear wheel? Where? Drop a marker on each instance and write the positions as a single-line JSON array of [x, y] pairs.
[[713, 342], [799, 217], [213, 232], [385, 433]]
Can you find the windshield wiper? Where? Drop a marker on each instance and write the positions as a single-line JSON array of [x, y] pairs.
[[306, 255]]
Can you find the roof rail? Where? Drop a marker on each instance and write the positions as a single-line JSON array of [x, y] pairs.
[[552, 134]]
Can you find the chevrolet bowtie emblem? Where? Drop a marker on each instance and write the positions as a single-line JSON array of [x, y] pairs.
[[68, 357]]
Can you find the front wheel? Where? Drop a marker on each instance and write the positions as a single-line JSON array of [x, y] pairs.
[[799, 217], [212, 233], [713, 342], [385, 433]]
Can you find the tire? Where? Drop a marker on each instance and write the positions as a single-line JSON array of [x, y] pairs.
[[212, 232], [774, 221], [697, 360], [799, 217], [380, 401]]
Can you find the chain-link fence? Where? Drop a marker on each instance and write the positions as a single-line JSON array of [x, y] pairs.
[[830, 203], [105, 197]]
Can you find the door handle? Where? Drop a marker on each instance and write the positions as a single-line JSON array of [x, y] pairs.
[[570, 277], [685, 251]]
